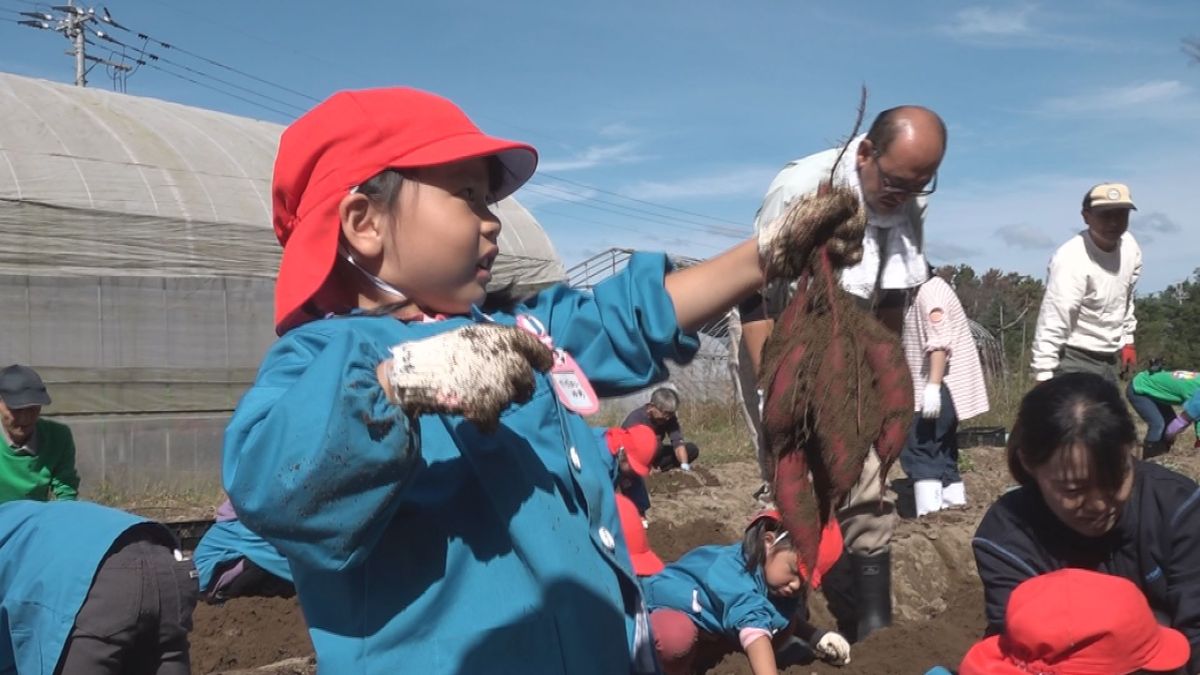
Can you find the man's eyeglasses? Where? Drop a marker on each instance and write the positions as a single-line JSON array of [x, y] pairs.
[[894, 185]]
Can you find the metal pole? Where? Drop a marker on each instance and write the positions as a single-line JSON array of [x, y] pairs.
[[76, 26]]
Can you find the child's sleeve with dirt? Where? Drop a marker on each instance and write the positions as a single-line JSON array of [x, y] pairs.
[[622, 332], [315, 454]]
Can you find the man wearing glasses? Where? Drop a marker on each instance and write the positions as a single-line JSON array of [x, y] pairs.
[[893, 168]]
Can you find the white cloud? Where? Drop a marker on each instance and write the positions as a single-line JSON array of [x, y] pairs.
[[972, 22], [1145, 98], [594, 156], [1022, 25], [1026, 236], [618, 130], [730, 182]]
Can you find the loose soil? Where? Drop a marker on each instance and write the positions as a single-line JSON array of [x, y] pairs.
[[938, 601]]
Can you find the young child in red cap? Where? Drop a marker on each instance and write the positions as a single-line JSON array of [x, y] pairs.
[[423, 465], [751, 593], [1077, 622], [635, 448]]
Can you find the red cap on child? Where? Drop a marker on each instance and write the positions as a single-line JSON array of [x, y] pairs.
[[828, 552], [1078, 622], [343, 142], [645, 561], [639, 442]]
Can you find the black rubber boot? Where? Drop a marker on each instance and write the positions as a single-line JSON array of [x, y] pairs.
[[1152, 449], [873, 582]]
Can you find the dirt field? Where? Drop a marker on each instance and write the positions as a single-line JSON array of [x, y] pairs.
[[937, 597]]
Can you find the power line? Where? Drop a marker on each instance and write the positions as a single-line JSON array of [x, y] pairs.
[[627, 228], [555, 192], [163, 59], [181, 50], [640, 201], [644, 216]]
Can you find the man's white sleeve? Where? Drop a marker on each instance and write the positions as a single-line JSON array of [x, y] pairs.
[[1130, 324], [1065, 288]]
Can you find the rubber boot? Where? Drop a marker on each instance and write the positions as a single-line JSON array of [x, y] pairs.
[[928, 496], [953, 495], [1152, 449], [873, 578]]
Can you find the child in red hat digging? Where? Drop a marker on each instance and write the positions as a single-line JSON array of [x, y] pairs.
[[425, 466], [751, 593]]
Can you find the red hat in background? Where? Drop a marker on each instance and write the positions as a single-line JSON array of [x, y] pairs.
[[645, 561], [828, 552], [346, 140], [1077, 622], [639, 442]]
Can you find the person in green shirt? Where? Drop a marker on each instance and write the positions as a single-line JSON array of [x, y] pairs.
[[37, 456], [1152, 393]]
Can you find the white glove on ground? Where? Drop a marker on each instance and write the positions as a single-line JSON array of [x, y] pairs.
[[834, 648], [475, 371], [931, 402]]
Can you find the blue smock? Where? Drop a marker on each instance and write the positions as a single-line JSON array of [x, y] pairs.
[[49, 555], [436, 548], [230, 540], [712, 586]]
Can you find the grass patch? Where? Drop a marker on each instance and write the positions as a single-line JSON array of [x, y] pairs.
[[717, 427]]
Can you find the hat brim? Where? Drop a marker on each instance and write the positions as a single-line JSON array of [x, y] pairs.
[[518, 160], [1172, 652], [25, 399], [646, 564], [1113, 206], [639, 467], [985, 658]]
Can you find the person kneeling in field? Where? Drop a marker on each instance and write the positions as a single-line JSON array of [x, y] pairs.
[[234, 562], [750, 593], [89, 590]]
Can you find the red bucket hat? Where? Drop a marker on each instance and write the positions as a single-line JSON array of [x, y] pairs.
[[1077, 622], [645, 561], [639, 442], [346, 140], [828, 552]]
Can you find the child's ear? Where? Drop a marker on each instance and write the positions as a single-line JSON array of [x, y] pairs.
[[361, 225]]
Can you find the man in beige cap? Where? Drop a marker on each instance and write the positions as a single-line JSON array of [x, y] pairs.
[[1086, 323]]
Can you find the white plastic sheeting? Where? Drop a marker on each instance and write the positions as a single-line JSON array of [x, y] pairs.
[[93, 182]]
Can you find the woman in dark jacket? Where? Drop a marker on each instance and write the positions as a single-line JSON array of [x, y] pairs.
[[1085, 501]]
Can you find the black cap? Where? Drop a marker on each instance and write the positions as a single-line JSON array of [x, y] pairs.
[[21, 387]]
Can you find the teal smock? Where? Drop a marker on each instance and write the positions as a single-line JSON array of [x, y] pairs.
[[435, 548], [230, 540], [713, 587], [49, 554]]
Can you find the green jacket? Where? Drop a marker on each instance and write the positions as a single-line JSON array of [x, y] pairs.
[[50, 474]]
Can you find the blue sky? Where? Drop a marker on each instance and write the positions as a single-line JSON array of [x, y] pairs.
[[695, 105]]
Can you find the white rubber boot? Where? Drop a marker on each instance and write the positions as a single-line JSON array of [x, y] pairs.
[[928, 495], [954, 494]]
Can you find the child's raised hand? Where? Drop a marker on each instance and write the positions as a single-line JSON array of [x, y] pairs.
[[475, 371], [832, 216]]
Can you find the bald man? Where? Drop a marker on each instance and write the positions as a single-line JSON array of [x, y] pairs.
[[893, 168]]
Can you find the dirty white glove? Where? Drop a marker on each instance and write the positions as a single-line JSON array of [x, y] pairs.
[[931, 401], [834, 648], [475, 371], [830, 215]]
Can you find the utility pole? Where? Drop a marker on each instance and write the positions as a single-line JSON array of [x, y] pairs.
[[75, 23]]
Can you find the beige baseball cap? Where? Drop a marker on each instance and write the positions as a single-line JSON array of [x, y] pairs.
[[1107, 196]]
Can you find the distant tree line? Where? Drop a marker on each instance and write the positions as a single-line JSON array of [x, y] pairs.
[[1007, 304]]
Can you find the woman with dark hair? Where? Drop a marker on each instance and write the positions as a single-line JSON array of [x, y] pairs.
[[1085, 501]]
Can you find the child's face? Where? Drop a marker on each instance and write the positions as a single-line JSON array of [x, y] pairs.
[[441, 243], [782, 572]]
